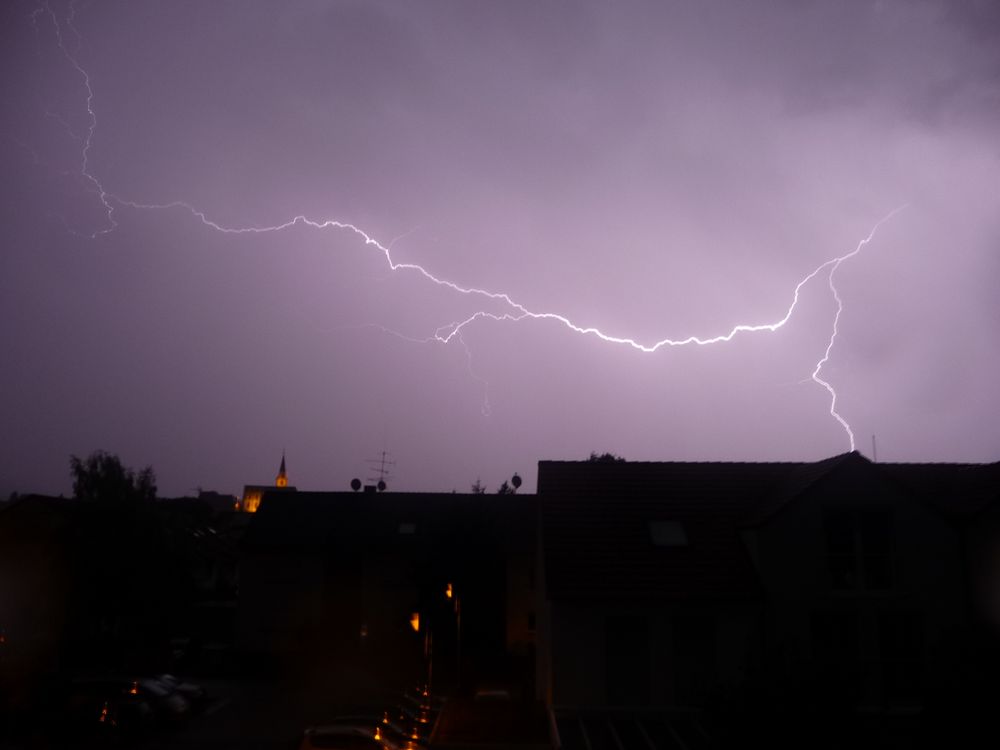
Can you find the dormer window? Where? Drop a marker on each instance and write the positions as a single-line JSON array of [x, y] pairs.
[[667, 534], [859, 549]]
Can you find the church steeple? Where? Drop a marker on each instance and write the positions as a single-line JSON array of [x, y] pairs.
[[282, 479], [253, 494]]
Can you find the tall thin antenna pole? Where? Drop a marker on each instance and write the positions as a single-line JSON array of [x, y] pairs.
[[874, 451], [380, 467]]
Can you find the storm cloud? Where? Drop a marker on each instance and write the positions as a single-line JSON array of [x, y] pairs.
[[655, 170]]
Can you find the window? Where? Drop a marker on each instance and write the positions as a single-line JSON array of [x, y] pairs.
[[859, 549], [667, 534]]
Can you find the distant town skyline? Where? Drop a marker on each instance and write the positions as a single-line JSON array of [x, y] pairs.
[[479, 220]]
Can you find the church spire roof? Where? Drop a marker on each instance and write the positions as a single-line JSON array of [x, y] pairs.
[[282, 479]]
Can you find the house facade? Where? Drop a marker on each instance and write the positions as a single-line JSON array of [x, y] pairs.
[[668, 585]]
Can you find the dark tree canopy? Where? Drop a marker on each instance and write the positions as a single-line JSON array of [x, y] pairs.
[[605, 458], [478, 488], [506, 489], [102, 477]]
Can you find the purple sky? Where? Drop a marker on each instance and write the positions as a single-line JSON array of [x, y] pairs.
[[655, 170]]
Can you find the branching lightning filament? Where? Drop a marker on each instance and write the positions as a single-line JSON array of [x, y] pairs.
[[512, 310]]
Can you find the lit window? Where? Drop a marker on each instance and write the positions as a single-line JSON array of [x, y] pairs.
[[667, 534]]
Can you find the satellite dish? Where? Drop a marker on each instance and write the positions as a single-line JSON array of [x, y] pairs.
[[515, 480], [381, 485], [355, 484]]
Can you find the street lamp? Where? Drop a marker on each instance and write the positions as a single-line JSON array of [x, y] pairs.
[[450, 593], [428, 646]]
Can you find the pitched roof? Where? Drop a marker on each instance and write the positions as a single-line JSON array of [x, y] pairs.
[[596, 515], [596, 528], [797, 480], [956, 490]]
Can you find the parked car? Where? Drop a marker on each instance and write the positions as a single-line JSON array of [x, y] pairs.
[[341, 737], [194, 694], [97, 708], [417, 698], [389, 728], [170, 706], [423, 715]]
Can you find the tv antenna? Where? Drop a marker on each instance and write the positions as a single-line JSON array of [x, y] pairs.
[[379, 468]]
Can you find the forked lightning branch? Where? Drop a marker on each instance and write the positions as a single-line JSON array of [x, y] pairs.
[[515, 311]]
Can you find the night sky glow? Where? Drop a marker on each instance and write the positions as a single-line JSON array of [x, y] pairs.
[[483, 234]]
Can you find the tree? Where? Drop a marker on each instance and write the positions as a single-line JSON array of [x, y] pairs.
[[125, 585], [478, 488], [102, 477], [506, 489], [605, 458]]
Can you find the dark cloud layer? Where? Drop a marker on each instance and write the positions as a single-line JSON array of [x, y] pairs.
[[652, 169]]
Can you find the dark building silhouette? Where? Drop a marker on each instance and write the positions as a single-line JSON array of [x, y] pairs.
[[645, 586], [87, 588], [703, 603], [337, 577], [773, 593]]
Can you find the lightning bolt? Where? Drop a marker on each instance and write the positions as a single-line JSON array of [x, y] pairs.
[[836, 321], [88, 140], [514, 311]]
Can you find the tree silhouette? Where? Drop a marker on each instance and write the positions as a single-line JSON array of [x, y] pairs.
[[125, 580], [506, 489], [605, 458], [478, 488], [102, 477]]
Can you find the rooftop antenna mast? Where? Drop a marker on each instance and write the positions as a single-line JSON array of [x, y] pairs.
[[380, 469]]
